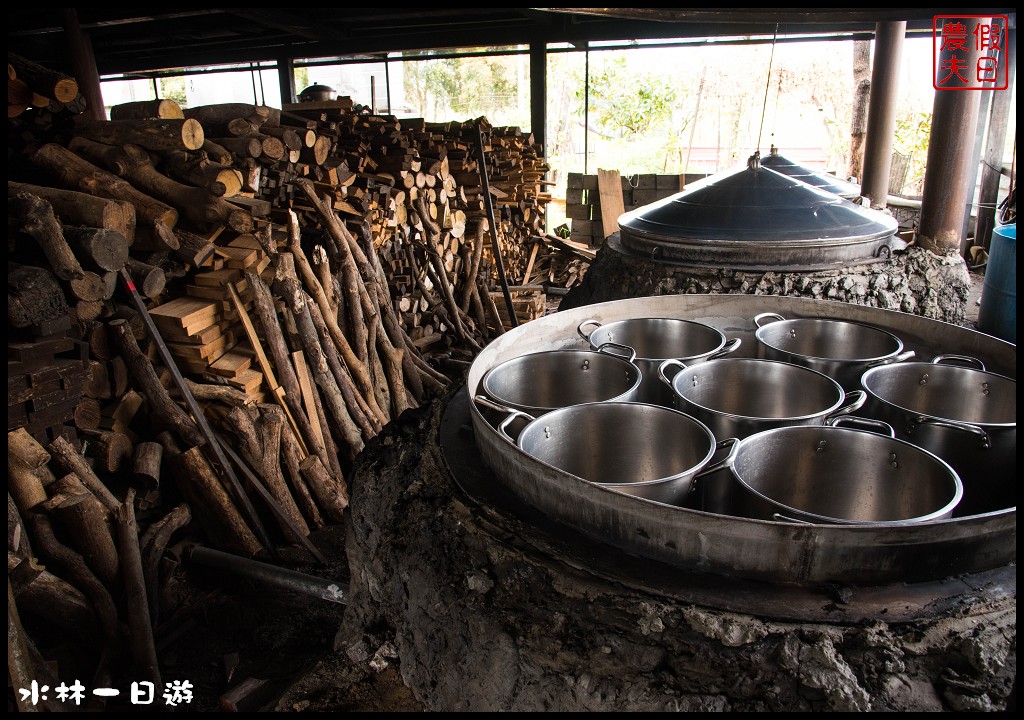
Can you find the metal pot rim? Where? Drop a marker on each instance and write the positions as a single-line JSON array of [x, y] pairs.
[[631, 367], [722, 339], [941, 464], [760, 333], [627, 407], [709, 364], [907, 367]]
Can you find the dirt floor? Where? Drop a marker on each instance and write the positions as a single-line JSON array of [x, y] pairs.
[[246, 641]]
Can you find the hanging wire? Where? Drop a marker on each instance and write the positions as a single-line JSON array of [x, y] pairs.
[[767, 85], [586, 107], [775, 115]]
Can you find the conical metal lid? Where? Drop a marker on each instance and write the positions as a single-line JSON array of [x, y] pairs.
[[830, 183], [756, 216]]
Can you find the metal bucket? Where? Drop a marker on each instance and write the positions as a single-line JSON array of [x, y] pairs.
[[737, 397], [648, 451], [831, 474], [841, 349], [540, 382], [656, 340], [998, 312]]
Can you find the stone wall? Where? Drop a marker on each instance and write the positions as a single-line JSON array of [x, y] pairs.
[[914, 281]]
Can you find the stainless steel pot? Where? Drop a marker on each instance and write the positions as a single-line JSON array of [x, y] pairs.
[[965, 415], [841, 349], [831, 474], [648, 451], [539, 382], [656, 340], [737, 397]]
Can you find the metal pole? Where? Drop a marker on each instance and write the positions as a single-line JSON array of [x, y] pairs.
[[882, 111], [489, 203], [272, 575]]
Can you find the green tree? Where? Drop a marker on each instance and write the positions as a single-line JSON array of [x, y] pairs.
[[173, 88], [625, 103], [913, 130]]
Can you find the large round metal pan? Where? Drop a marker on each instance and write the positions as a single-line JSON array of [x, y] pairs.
[[796, 553]]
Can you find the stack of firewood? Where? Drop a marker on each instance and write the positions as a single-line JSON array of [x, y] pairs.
[[231, 291]]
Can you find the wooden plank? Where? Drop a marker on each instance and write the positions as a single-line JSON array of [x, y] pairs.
[[609, 187], [248, 381], [265, 365], [214, 348], [216, 278], [306, 386], [231, 364], [183, 312]]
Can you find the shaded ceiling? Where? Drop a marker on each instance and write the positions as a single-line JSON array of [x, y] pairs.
[[129, 39]]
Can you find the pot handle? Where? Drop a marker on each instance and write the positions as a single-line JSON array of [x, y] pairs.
[[586, 336], [867, 423], [779, 517], [859, 398], [966, 359], [629, 351], [986, 441], [733, 445], [671, 362], [726, 349], [512, 414], [906, 355], [775, 317]]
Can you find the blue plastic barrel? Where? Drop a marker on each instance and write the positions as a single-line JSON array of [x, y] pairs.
[[998, 312]]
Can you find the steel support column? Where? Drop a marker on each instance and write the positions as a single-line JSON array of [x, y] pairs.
[[882, 111], [948, 182]]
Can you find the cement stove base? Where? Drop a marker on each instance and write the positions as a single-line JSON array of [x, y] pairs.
[[493, 609], [913, 281]]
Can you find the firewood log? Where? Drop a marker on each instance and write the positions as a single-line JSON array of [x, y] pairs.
[[70, 461], [330, 493], [217, 116], [132, 162], [147, 109], [51, 549], [140, 626], [23, 485], [163, 410], [273, 421], [194, 169], [51, 599], [88, 525], [102, 249], [155, 134], [42, 80], [153, 543], [73, 172], [149, 279], [292, 458], [215, 510], [84, 209], [146, 461]]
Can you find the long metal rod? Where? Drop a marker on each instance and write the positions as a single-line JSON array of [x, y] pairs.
[[272, 575], [278, 511], [489, 203], [197, 413]]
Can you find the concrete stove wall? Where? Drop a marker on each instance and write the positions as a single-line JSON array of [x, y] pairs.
[[914, 281], [487, 615]]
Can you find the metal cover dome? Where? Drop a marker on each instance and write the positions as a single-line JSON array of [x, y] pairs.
[[842, 188], [758, 218]]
